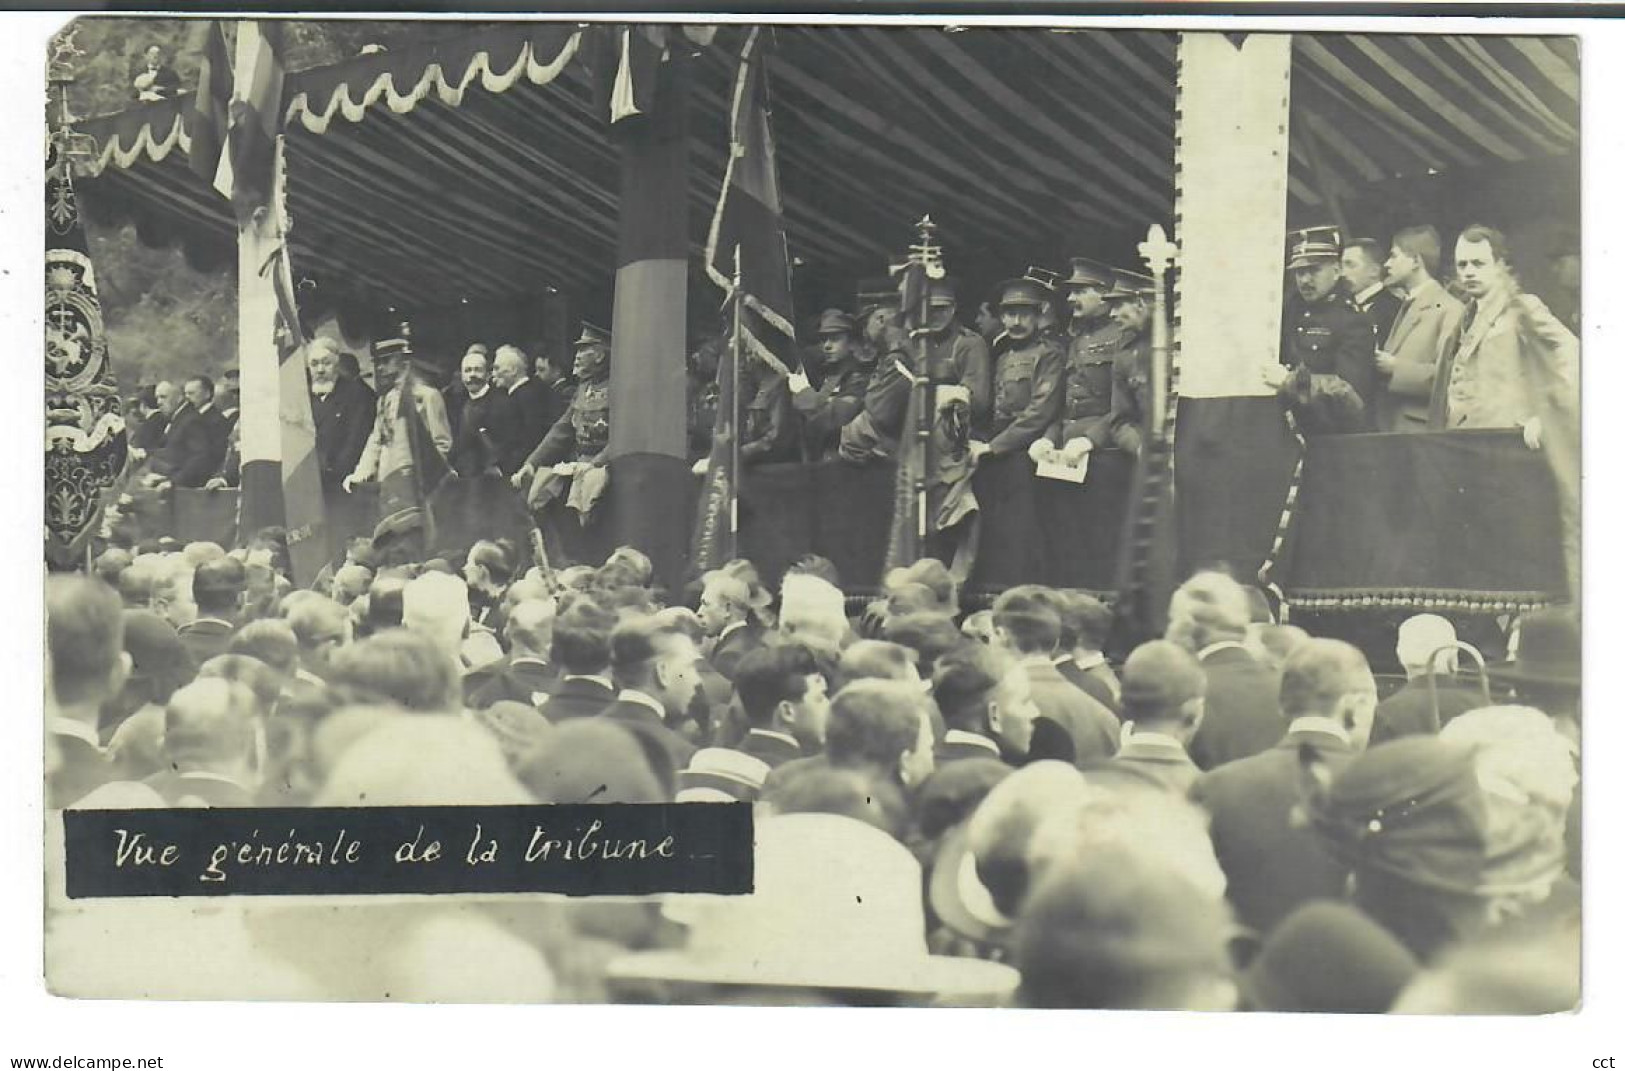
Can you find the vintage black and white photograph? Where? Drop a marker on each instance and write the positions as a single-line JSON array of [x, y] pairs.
[[890, 514]]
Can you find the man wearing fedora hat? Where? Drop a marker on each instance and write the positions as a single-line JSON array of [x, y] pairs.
[[1328, 371], [388, 448]]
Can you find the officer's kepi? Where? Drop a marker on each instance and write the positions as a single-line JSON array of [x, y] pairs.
[[1313, 245], [1022, 293]]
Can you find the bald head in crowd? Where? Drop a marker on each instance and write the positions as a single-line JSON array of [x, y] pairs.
[[529, 629], [1208, 608]]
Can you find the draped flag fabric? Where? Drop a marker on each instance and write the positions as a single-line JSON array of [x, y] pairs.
[[210, 105], [404, 492], [281, 482], [750, 218], [244, 172], [85, 442], [747, 237]]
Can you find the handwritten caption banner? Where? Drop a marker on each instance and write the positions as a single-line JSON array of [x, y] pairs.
[[576, 849]]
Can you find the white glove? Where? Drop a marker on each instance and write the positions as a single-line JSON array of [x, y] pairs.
[[797, 382], [568, 468], [1073, 451], [978, 448], [523, 476], [1274, 375], [1531, 433], [702, 466], [1041, 450], [349, 483]]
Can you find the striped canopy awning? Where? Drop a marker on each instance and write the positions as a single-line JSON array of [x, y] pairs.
[[479, 167]]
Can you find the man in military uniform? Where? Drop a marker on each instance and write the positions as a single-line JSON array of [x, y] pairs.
[[1027, 395], [954, 355], [576, 444], [1091, 344], [1129, 302], [388, 447], [839, 398], [1027, 390], [1328, 374], [768, 433], [703, 392]]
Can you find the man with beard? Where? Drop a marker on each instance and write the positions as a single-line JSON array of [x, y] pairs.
[[847, 369], [342, 410], [1328, 372]]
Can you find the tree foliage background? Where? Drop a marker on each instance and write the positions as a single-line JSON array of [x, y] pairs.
[[164, 319]]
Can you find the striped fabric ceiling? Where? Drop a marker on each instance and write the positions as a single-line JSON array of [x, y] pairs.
[[477, 167]]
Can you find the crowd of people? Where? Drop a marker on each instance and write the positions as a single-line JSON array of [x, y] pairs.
[[954, 807]]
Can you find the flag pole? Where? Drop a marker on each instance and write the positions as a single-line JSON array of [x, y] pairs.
[[737, 423]]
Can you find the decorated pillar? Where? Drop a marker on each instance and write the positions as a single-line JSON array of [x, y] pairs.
[[1233, 454]]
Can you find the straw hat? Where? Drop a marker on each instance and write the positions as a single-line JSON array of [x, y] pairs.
[[837, 906]]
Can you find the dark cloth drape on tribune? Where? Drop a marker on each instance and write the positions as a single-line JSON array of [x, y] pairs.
[[1448, 512]]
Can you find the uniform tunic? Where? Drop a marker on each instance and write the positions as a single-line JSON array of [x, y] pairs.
[[1090, 355], [1332, 352], [1027, 394], [582, 433], [827, 409], [1131, 391], [388, 448]]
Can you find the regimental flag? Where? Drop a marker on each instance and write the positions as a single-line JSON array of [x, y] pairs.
[[210, 105], [85, 442], [750, 219], [254, 117], [716, 522], [404, 491]]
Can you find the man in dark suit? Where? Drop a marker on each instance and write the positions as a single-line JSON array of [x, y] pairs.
[[1085, 624], [654, 667], [1208, 616], [533, 409], [525, 676], [217, 591], [84, 622], [728, 616], [1163, 689], [481, 424], [1430, 697], [785, 700], [1364, 275], [1027, 629], [983, 719], [343, 411], [580, 650], [209, 746], [195, 443], [1272, 864]]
